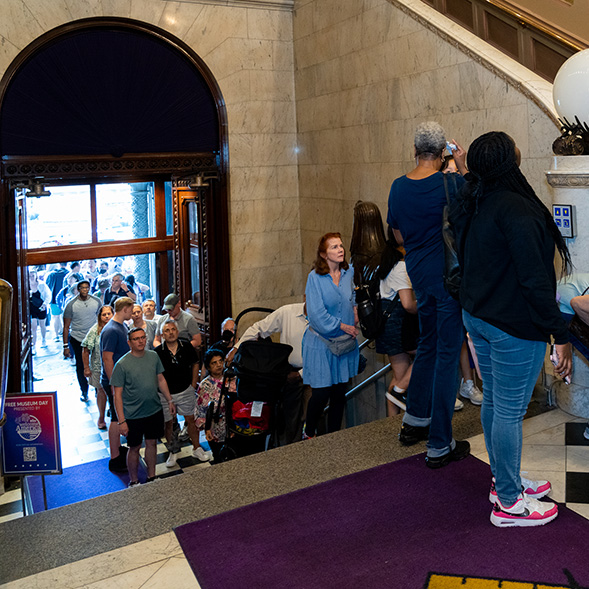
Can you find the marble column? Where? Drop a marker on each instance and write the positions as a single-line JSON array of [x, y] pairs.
[[569, 177]]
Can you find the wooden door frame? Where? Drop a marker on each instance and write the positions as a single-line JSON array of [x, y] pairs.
[[68, 167]]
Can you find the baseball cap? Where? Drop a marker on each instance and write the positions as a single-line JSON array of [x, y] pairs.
[[170, 302]]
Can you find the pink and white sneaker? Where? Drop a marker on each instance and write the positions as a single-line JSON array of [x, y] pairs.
[[535, 489], [525, 512]]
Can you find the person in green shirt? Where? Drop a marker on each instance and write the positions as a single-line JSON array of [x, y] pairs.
[[136, 378]]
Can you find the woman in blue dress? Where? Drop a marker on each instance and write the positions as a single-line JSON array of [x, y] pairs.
[[330, 348]]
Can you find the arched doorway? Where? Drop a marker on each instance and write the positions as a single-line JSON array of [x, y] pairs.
[[110, 100]]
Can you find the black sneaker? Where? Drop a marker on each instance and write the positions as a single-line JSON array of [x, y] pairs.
[[461, 450], [118, 464], [84, 397], [411, 434]]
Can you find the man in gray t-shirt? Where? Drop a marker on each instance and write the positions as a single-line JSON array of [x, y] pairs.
[[79, 316], [136, 378]]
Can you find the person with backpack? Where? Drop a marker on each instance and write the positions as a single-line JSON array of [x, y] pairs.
[[415, 213], [398, 339]]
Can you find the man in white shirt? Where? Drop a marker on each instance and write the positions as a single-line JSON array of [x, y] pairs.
[[290, 321]]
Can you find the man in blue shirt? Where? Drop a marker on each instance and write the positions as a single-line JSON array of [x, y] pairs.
[[113, 346]]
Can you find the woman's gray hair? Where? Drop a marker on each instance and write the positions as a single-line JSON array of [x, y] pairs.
[[430, 138]]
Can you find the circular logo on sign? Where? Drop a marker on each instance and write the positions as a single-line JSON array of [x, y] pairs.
[[28, 427]]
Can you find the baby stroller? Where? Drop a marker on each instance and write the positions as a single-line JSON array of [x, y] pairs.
[[259, 371]]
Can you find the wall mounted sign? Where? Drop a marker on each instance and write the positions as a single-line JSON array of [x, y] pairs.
[[30, 436]]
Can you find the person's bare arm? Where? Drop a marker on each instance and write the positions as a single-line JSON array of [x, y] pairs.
[[66, 331], [107, 362], [580, 305], [122, 422], [86, 361], [408, 300], [163, 387]]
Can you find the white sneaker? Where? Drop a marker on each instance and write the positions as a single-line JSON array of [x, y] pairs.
[[586, 432], [172, 460], [526, 511], [535, 489], [458, 404], [201, 455], [469, 390]]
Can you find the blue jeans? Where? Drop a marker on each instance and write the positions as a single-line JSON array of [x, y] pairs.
[[509, 367], [434, 380]]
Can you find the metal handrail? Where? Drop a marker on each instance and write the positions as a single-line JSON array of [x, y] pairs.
[[5, 318], [375, 376]]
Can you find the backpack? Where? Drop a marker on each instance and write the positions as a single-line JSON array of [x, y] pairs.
[[371, 315]]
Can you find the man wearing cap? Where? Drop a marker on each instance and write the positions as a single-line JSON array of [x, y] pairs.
[[188, 329], [79, 316]]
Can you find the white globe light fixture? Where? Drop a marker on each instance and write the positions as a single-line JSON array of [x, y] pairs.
[[571, 89]]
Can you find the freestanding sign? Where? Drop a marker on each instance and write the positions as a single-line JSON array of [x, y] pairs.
[[30, 436]]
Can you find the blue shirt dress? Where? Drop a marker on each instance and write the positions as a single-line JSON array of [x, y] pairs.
[[328, 306]]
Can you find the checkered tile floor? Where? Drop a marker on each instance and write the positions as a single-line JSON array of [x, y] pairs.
[[81, 440]]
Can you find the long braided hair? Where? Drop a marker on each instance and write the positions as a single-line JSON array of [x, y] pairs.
[[493, 165]]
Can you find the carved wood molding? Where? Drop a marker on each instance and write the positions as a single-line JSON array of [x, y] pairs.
[[85, 167]]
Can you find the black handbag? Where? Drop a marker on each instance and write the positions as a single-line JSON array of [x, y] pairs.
[[452, 271]]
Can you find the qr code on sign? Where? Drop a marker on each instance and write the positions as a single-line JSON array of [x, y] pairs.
[[30, 454]]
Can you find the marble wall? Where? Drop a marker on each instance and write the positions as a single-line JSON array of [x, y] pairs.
[[366, 73], [322, 103], [249, 50]]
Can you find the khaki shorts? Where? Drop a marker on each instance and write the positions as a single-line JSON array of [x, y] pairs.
[[185, 403]]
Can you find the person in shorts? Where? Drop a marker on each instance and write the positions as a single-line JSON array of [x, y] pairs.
[[181, 370], [136, 378]]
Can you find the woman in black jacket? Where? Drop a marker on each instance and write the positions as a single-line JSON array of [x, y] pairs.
[[506, 240]]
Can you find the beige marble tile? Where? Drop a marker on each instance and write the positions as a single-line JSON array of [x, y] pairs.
[[477, 445], [116, 8], [8, 52], [553, 436], [147, 10], [179, 17], [543, 458], [240, 150], [84, 9], [277, 149], [580, 508], [176, 573], [49, 14], [251, 183], [101, 568], [257, 284], [272, 85], [544, 421], [303, 20], [213, 25], [14, 14], [577, 458], [262, 117], [256, 250], [134, 579], [275, 25], [234, 87]]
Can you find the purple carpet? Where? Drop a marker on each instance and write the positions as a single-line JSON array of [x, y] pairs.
[[399, 526]]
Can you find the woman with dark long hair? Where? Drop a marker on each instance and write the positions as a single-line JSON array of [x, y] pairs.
[[93, 362], [330, 348], [506, 239]]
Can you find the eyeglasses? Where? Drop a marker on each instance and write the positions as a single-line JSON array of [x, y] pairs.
[[138, 339]]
